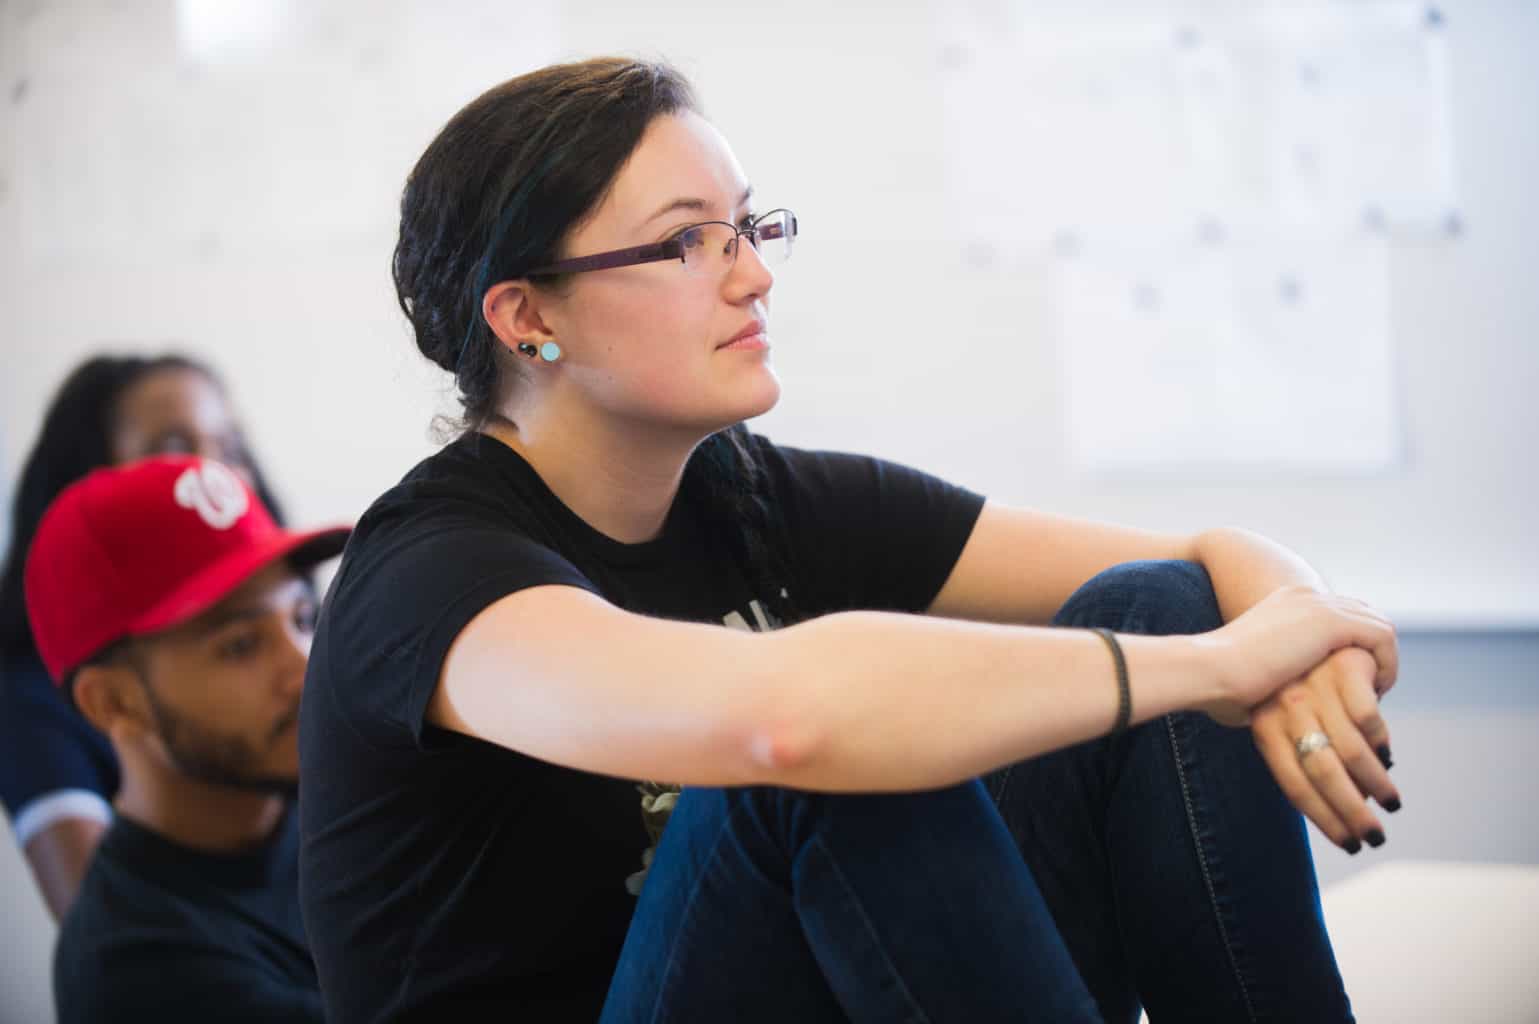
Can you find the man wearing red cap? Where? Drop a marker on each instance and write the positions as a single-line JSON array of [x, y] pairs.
[[177, 615]]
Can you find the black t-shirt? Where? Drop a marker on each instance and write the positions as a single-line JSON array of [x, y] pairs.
[[162, 932], [446, 878]]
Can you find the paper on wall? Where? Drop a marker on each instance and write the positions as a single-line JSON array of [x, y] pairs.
[[1273, 355]]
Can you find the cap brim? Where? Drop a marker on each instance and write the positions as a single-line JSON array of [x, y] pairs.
[[217, 581]]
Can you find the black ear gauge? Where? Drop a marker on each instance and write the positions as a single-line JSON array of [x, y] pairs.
[[526, 349]]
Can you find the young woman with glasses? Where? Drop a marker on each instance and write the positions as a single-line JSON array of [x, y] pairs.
[[955, 762]]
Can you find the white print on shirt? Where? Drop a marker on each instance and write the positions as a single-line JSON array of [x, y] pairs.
[[763, 621], [658, 798], [212, 491]]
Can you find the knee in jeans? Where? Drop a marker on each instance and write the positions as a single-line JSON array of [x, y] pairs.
[[1164, 597]]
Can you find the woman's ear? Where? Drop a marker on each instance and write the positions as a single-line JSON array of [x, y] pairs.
[[512, 309]]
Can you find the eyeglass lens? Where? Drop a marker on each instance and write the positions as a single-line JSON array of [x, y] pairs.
[[713, 245]]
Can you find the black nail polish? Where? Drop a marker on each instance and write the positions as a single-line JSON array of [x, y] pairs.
[[1384, 758], [1375, 838], [1391, 805], [1352, 846]]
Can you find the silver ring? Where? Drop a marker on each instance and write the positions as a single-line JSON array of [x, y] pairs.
[[1310, 742]]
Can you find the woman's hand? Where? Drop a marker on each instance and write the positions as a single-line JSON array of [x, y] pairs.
[[1283, 637], [1329, 784]]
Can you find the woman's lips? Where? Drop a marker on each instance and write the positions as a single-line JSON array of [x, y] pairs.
[[756, 340]]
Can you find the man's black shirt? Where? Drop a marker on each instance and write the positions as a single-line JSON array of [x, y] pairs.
[[162, 932]]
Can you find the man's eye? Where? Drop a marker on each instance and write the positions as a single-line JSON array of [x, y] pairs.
[[241, 645]]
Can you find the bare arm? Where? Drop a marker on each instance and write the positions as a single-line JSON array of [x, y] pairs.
[[1245, 567], [1021, 565], [59, 855], [853, 701]]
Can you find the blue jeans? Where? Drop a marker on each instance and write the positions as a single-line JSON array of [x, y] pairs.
[[1162, 868]]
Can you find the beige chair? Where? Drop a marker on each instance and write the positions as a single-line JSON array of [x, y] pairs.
[[1438, 942], [1435, 942]]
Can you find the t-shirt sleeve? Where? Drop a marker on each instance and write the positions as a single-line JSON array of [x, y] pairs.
[[53, 763], [400, 599], [866, 533]]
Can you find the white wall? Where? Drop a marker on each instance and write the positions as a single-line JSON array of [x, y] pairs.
[[26, 941], [236, 197]]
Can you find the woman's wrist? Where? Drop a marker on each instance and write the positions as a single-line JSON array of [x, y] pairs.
[[1172, 673]]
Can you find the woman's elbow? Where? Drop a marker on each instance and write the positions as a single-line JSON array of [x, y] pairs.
[[778, 754], [779, 730]]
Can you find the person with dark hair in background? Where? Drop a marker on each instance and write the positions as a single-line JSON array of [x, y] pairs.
[[906, 795], [57, 773], [176, 614]]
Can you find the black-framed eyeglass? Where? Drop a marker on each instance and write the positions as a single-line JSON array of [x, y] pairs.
[[702, 248]]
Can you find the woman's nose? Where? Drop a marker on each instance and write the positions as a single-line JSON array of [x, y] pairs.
[[749, 275]]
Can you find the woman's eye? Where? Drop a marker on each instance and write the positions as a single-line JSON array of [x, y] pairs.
[[172, 444], [691, 237], [232, 452]]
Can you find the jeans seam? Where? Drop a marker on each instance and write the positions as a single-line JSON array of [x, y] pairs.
[[664, 989], [1004, 787], [865, 920], [1202, 862]]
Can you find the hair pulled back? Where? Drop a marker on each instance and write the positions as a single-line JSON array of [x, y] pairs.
[[500, 188], [495, 194]]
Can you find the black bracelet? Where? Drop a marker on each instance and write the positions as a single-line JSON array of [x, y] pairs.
[[1124, 691]]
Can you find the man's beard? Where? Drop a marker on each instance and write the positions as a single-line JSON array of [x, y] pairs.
[[218, 759]]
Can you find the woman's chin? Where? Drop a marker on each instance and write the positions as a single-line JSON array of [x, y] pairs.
[[761, 397], [719, 404]]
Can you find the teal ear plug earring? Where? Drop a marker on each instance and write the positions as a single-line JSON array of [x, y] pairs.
[[549, 351]]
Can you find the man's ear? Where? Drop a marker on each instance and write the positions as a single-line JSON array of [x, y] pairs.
[[512, 310], [111, 698]]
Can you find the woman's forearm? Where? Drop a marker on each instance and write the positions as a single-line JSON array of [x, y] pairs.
[[848, 702], [59, 856], [876, 701], [1245, 567]]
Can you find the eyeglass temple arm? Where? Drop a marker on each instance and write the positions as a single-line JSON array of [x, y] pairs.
[[655, 252]]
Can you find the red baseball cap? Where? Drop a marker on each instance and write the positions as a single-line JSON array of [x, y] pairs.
[[139, 548]]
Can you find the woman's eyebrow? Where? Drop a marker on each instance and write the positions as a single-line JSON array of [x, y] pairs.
[[692, 203]]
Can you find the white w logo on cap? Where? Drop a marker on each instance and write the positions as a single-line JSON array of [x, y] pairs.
[[215, 493]]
